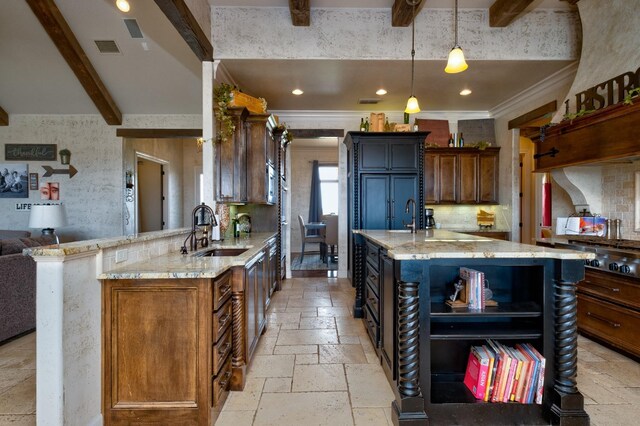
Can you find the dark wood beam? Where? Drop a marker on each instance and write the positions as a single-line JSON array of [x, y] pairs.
[[503, 12], [56, 26], [534, 115], [158, 133], [183, 20], [316, 133], [573, 2], [4, 117], [300, 12], [402, 12]]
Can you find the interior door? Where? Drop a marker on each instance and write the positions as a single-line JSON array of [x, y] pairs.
[[150, 198], [375, 202], [402, 188]]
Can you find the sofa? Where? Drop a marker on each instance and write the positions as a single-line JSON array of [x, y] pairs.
[[17, 285]]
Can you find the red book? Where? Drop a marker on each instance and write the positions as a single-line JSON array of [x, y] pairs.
[[475, 377]]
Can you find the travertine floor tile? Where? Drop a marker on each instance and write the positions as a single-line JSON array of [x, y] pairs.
[[345, 354], [272, 366], [334, 312], [289, 326], [18, 420], [19, 399], [613, 415], [307, 359], [307, 337], [277, 385], [235, 418], [296, 349], [307, 408], [349, 327], [317, 323], [248, 399], [20, 358], [319, 377], [369, 417], [266, 345], [368, 386], [313, 302], [9, 377], [349, 340], [283, 317]]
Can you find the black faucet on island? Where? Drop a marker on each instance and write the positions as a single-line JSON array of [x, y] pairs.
[[199, 219], [412, 226]]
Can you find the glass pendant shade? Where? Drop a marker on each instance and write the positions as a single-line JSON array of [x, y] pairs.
[[412, 105], [123, 5], [456, 62]]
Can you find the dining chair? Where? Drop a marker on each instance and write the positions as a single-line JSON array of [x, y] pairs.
[[331, 233], [306, 238]]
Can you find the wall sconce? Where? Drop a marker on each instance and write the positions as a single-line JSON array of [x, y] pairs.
[[65, 156], [129, 179]]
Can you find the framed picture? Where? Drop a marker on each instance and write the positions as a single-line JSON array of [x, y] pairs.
[[50, 191], [30, 152], [33, 181], [14, 180]]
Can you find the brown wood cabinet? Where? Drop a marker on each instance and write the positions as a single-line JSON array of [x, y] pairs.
[[498, 235], [261, 160], [461, 176], [231, 162], [166, 350]]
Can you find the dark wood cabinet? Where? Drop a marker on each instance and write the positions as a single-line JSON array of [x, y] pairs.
[[379, 154], [461, 176], [261, 172], [231, 162], [254, 279], [271, 279]]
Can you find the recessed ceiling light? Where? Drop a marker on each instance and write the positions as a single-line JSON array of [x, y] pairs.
[[297, 92], [381, 92], [123, 5], [465, 92]]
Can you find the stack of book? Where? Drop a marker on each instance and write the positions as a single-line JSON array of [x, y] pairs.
[[473, 294], [499, 373]]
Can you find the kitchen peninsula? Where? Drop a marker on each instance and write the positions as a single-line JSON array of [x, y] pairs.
[[403, 281]]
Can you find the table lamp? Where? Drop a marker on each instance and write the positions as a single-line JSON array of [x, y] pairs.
[[48, 217]]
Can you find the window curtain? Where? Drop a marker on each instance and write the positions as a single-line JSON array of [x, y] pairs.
[[315, 199]]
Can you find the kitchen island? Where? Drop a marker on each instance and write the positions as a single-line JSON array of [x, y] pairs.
[[402, 283]]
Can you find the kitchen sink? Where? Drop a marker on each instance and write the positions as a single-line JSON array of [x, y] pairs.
[[222, 252]]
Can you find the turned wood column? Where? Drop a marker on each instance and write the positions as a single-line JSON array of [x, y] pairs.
[[358, 279], [238, 331]]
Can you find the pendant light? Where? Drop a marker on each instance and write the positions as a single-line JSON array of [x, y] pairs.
[[412, 102], [456, 62]]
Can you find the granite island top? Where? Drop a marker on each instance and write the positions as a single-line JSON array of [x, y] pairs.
[[176, 265], [442, 244]]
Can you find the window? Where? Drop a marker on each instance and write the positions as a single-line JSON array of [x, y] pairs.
[[329, 189]]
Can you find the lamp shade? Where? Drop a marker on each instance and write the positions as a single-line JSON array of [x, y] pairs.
[[47, 216], [412, 105], [456, 62]]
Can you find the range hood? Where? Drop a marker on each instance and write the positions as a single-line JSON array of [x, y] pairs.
[[607, 134]]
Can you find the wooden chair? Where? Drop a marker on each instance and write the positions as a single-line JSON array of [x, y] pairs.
[[331, 233], [306, 238]]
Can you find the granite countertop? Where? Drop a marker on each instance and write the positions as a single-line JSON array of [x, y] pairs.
[[476, 229], [442, 244], [176, 265]]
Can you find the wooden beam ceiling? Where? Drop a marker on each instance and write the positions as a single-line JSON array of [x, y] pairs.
[[56, 26], [528, 119], [183, 20], [4, 117], [503, 12], [300, 12], [402, 12]]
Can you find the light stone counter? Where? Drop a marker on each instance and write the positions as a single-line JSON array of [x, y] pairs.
[[176, 265], [441, 244]]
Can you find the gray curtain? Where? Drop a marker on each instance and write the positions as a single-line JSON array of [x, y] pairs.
[[315, 199]]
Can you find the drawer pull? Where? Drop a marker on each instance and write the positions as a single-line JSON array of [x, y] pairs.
[[372, 276], [225, 380], [224, 291], [224, 350], [598, 317], [614, 289], [223, 321]]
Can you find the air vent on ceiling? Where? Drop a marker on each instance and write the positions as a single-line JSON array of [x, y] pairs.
[[368, 101], [134, 28], [107, 46]]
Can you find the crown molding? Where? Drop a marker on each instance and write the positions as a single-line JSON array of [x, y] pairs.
[[392, 115]]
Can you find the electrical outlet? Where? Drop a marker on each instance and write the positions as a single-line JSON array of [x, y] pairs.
[[121, 255]]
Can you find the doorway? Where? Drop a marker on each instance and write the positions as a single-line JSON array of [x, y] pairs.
[[152, 198]]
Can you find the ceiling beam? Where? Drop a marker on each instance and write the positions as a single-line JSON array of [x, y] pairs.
[[525, 120], [402, 12], [573, 2], [4, 117], [503, 12], [56, 26], [187, 26], [300, 12], [158, 133]]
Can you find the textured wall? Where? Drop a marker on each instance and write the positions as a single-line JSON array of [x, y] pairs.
[[345, 33], [93, 197], [618, 183]]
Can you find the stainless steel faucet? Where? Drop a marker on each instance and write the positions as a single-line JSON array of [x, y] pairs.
[[198, 218], [412, 225]]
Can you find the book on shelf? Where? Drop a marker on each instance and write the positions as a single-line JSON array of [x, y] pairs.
[[475, 377], [540, 383], [473, 296]]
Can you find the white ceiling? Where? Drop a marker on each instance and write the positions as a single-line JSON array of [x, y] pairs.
[[166, 78]]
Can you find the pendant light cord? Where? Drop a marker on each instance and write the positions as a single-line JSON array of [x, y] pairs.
[[455, 20], [413, 38]]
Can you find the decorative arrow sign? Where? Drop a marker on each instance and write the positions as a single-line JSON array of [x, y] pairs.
[[51, 171]]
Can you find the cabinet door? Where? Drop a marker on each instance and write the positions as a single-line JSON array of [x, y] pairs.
[[388, 316], [488, 178], [468, 179], [431, 179], [402, 188], [231, 161], [261, 288], [448, 178], [373, 156], [403, 156], [251, 277], [375, 202]]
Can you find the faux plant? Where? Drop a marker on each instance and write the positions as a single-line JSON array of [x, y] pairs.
[[630, 95], [581, 113], [481, 145], [222, 97]]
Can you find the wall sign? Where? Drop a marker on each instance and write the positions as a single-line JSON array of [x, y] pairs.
[[607, 93], [23, 207], [30, 152]]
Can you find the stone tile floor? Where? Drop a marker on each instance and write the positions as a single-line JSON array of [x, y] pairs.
[[316, 366]]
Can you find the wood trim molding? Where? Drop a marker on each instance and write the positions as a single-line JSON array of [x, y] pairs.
[[300, 13], [187, 26], [4, 117], [158, 133], [402, 13], [535, 114], [503, 12], [316, 133], [56, 26]]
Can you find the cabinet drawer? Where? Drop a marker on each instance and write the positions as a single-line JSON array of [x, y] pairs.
[[372, 255], [372, 327], [372, 276], [221, 321], [611, 323], [221, 350], [220, 383], [614, 288], [221, 290], [372, 301]]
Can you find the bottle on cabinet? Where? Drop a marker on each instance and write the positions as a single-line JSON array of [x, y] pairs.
[[461, 141], [387, 126], [366, 124], [362, 124], [451, 143]]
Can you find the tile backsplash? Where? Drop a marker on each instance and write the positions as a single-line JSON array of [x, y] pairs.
[[463, 217]]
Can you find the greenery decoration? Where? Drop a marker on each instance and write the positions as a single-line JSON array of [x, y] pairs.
[[630, 95], [481, 145], [581, 113], [222, 98]]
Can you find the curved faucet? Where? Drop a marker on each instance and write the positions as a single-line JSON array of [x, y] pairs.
[[412, 225], [201, 209]]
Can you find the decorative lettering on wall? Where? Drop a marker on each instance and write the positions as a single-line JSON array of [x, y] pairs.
[[607, 93], [30, 152], [23, 207]]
